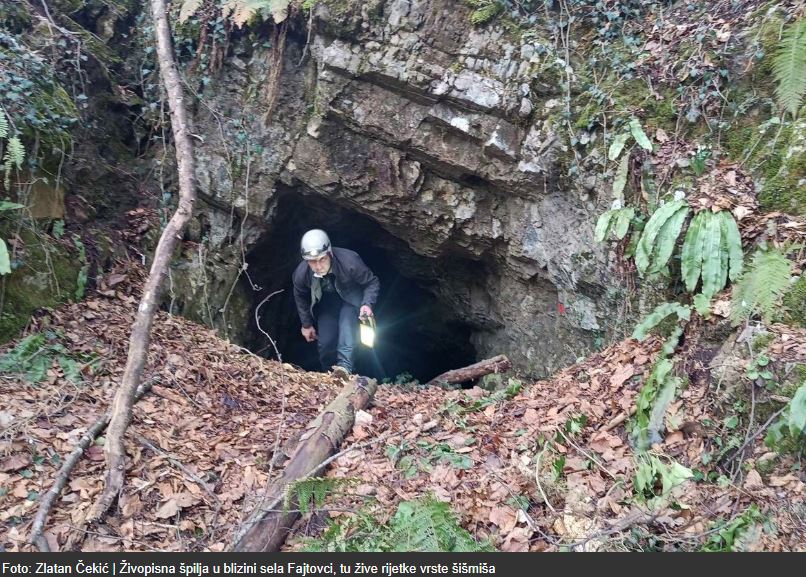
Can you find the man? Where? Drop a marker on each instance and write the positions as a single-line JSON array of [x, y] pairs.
[[333, 288]]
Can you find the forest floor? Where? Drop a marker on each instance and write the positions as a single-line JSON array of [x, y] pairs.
[[533, 466]]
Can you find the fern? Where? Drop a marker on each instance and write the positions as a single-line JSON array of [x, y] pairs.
[[189, 8], [311, 493], [429, 525], [615, 221], [15, 154], [789, 67], [485, 10], [417, 526], [655, 317], [5, 260], [652, 236], [712, 250], [660, 386], [760, 288], [3, 125], [242, 11]]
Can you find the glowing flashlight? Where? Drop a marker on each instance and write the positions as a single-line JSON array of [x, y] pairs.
[[367, 331]]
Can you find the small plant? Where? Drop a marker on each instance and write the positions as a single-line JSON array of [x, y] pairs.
[[311, 493], [789, 432], [761, 287], [732, 535], [789, 67], [484, 10], [651, 404], [424, 525], [659, 237], [699, 159], [34, 356], [712, 251], [654, 479]]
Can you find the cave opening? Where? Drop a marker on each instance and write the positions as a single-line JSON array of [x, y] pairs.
[[417, 335]]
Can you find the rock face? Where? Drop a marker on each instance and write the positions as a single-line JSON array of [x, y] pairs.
[[441, 133]]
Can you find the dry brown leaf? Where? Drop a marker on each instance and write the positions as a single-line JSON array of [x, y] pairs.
[[15, 462]]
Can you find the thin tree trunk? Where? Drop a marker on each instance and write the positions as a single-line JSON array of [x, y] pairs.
[[268, 526], [141, 329], [36, 537], [497, 364]]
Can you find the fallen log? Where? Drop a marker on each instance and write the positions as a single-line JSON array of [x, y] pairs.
[[46, 503], [267, 527], [497, 364]]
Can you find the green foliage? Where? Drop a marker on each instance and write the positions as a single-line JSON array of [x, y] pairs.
[[81, 280], [14, 150], [661, 231], [730, 536], [795, 303], [242, 11], [188, 9], [615, 222], [788, 433], [424, 525], [712, 250], [5, 261], [639, 135], [789, 67], [761, 287], [484, 10], [662, 311], [654, 479], [311, 493], [651, 404], [698, 161], [36, 353]]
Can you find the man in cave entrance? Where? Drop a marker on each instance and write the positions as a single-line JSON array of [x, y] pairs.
[[333, 289]]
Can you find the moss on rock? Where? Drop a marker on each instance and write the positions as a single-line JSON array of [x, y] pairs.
[[46, 277]]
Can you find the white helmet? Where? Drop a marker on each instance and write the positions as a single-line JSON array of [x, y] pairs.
[[315, 244]]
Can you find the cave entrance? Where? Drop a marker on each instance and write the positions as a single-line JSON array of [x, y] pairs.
[[416, 334]]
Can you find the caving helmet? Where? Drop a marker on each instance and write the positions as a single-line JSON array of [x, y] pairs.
[[315, 244]]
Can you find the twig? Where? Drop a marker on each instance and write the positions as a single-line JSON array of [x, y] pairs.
[[36, 537], [537, 480], [753, 437], [588, 455]]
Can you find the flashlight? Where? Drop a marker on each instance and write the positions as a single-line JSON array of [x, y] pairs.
[[367, 331]]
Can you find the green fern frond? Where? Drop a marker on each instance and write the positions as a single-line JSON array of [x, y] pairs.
[[646, 245], [789, 67], [691, 257], [761, 286], [311, 493], [3, 125], [616, 221], [485, 11], [188, 9], [429, 525], [654, 318], [733, 239], [667, 239], [15, 152], [712, 256]]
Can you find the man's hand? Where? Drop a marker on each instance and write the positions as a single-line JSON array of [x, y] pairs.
[[310, 334], [365, 312]]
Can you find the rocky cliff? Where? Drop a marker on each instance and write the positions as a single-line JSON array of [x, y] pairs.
[[430, 143]]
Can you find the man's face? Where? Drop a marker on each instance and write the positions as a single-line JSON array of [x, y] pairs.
[[320, 267]]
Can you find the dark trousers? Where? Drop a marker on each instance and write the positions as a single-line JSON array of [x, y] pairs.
[[337, 324]]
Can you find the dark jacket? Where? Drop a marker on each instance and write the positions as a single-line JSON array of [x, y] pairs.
[[354, 283]]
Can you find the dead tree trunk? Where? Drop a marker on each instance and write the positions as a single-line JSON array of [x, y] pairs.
[[268, 526], [141, 329], [497, 364]]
